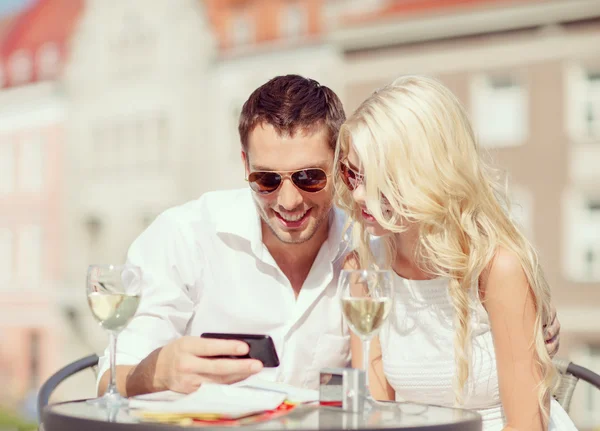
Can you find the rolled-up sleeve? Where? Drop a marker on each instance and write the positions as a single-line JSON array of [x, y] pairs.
[[170, 260]]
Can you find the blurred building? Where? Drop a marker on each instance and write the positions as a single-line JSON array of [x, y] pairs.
[[258, 40], [139, 125], [529, 74], [33, 47]]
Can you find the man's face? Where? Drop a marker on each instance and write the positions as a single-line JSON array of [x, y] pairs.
[[292, 214]]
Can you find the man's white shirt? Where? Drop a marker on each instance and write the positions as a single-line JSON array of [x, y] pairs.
[[206, 269]]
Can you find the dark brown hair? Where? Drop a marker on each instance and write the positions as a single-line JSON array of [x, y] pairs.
[[291, 103]]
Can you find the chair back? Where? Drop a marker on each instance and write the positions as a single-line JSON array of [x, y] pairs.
[[570, 374], [564, 392], [50, 385]]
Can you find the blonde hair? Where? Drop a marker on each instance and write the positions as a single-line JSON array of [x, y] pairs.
[[419, 155]]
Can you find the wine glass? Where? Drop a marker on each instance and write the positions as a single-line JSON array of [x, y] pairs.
[[366, 297], [113, 293]]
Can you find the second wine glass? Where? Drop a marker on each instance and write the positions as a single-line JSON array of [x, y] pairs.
[[367, 297]]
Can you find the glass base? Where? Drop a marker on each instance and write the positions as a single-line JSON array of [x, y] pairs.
[[408, 408], [110, 400], [370, 403]]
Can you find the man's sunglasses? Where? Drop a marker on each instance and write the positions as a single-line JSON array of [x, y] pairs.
[[351, 178], [308, 180]]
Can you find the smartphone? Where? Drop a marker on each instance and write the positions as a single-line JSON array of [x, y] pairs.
[[261, 346]]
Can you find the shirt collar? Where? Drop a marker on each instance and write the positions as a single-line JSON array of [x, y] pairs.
[[244, 221], [338, 240]]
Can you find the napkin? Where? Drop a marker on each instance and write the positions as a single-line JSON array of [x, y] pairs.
[[294, 395], [223, 401]]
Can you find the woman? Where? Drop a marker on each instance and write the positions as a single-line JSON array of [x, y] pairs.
[[471, 300]]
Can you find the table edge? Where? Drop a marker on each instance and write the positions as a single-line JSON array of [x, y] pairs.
[[75, 422]]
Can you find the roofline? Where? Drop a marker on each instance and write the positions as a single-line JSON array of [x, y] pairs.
[[276, 46], [260, 56], [22, 20], [404, 30]]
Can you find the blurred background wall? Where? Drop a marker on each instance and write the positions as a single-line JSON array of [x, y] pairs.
[[113, 110]]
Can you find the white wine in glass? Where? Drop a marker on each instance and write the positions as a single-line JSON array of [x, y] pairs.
[[113, 293], [366, 315], [113, 310], [366, 297]]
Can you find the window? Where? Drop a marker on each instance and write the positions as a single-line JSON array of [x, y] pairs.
[[592, 245], [34, 359], [99, 140], [127, 151], [21, 67], [31, 163], [29, 255], [294, 22], [133, 45], [157, 139], [500, 110], [242, 28], [93, 226], [6, 256], [163, 139], [585, 406], [593, 397], [584, 101], [582, 237], [592, 104], [140, 134], [7, 167], [132, 142], [48, 58], [95, 230], [236, 111]]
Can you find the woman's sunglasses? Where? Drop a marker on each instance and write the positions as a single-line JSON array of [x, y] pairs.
[[351, 178], [308, 180]]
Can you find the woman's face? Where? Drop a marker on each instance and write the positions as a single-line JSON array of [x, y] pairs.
[[359, 195]]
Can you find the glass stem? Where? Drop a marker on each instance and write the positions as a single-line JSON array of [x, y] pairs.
[[366, 364], [112, 385]]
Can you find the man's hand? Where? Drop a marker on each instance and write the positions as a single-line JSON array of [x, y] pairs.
[[184, 364], [552, 334]]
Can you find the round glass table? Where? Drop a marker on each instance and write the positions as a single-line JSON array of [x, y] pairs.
[[79, 415]]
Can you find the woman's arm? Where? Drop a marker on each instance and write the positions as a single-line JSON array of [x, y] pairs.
[[380, 388], [510, 305]]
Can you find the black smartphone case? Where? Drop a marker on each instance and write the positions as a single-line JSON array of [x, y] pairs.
[[261, 346]]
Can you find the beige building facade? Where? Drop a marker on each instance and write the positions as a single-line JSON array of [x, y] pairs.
[[529, 75]]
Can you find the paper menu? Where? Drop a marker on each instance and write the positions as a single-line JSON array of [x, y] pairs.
[[211, 399]]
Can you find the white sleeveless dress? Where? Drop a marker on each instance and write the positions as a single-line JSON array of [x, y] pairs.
[[418, 354]]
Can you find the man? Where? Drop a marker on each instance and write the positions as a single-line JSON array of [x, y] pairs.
[[260, 260]]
